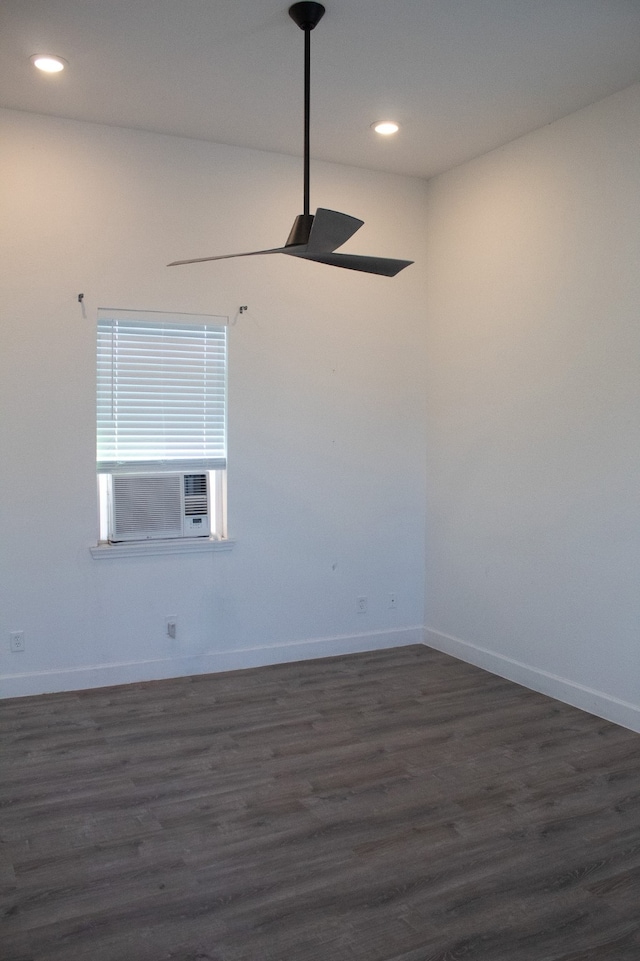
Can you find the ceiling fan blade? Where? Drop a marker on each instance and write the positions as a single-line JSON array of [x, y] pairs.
[[384, 266], [331, 229], [250, 253]]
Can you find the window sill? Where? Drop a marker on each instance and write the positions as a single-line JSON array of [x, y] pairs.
[[185, 545]]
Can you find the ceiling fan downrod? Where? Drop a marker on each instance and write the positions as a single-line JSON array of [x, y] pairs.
[[307, 15]]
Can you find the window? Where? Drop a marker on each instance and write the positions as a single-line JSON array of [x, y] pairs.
[[161, 425]]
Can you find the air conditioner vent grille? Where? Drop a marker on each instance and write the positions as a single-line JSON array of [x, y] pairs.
[[195, 494], [148, 506]]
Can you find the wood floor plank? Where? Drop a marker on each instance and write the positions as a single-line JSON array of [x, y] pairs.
[[389, 806]]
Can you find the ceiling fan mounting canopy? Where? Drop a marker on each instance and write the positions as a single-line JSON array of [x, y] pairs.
[[307, 14], [316, 236]]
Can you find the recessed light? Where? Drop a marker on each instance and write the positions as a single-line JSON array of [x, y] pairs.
[[385, 127], [48, 63]]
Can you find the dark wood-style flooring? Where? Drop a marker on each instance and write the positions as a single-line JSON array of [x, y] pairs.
[[391, 806]]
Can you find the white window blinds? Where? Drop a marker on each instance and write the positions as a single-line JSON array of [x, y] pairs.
[[161, 402]]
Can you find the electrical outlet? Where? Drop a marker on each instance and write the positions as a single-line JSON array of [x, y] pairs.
[[361, 605], [393, 601], [172, 627], [16, 641]]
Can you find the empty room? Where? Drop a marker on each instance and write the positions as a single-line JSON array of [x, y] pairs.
[[319, 607]]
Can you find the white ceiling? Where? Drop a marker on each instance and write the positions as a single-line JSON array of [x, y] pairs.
[[461, 76]]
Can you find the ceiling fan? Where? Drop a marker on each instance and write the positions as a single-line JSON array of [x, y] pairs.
[[317, 236]]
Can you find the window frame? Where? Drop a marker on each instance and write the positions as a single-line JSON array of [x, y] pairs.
[[208, 383]]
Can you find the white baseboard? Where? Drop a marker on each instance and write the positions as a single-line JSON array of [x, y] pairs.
[[594, 702], [213, 662], [131, 672]]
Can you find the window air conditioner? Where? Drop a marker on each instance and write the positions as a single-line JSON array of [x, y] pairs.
[[154, 506]]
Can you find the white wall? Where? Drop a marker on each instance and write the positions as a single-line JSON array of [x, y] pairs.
[[533, 380], [326, 407], [530, 361]]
